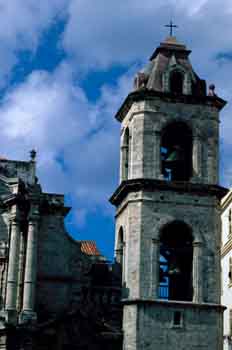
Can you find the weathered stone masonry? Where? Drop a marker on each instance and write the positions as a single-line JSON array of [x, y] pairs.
[[168, 202]]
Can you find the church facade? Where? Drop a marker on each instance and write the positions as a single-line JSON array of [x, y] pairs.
[[163, 291]]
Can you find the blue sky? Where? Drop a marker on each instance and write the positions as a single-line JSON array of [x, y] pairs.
[[65, 68]]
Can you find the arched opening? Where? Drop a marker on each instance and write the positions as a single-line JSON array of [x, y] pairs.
[[176, 260], [125, 155], [176, 82], [176, 152], [120, 253], [120, 244]]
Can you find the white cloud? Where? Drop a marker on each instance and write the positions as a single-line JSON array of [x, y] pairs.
[[44, 105], [125, 31], [21, 26], [52, 113], [192, 7], [22, 22], [77, 141], [108, 32]]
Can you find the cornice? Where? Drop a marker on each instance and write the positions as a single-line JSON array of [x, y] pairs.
[[226, 201], [145, 94], [173, 303], [226, 248], [152, 185]]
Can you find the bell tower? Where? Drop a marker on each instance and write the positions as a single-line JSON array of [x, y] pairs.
[[168, 230]]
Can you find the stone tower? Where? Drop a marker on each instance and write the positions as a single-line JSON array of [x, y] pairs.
[[168, 230]]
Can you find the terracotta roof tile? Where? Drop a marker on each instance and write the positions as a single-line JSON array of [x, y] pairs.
[[89, 248]]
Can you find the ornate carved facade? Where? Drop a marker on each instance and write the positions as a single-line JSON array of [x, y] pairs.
[[56, 293]]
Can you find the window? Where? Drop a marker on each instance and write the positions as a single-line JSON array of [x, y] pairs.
[[176, 82], [177, 318], [120, 244], [125, 155], [176, 152], [120, 253], [176, 255]]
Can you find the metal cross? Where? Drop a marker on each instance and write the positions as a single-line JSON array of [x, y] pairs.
[[171, 26]]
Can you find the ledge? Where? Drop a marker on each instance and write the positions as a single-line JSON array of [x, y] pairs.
[[136, 185], [226, 248], [174, 303], [145, 95]]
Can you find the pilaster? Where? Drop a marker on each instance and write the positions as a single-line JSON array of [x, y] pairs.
[[154, 268], [197, 160], [124, 168], [157, 160], [197, 273]]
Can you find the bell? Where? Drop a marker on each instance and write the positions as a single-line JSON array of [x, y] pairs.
[[176, 155], [174, 271], [173, 268]]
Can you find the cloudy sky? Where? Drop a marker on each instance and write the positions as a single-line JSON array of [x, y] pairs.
[[65, 68]]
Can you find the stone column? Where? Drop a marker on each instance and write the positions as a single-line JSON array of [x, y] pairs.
[[197, 159], [197, 273], [30, 267], [12, 276], [155, 269]]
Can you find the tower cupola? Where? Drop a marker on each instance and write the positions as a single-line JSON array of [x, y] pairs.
[[170, 70], [169, 122]]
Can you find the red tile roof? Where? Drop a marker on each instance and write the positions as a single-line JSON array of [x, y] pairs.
[[89, 248]]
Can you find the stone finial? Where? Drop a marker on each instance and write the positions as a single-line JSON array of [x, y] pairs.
[[33, 155], [211, 90], [140, 81]]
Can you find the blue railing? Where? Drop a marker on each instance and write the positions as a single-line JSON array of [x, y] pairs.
[[163, 292]]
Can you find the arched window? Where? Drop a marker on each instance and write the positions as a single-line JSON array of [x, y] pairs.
[[176, 152], [120, 244], [176, 257], [125, 154], [120, 255], [176, 82]]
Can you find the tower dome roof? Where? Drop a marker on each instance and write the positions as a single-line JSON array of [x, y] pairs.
[[170, 56]]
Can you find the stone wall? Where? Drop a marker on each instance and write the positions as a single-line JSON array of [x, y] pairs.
[[150, 325], [146, 214], [147, 119], [61, 266]]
